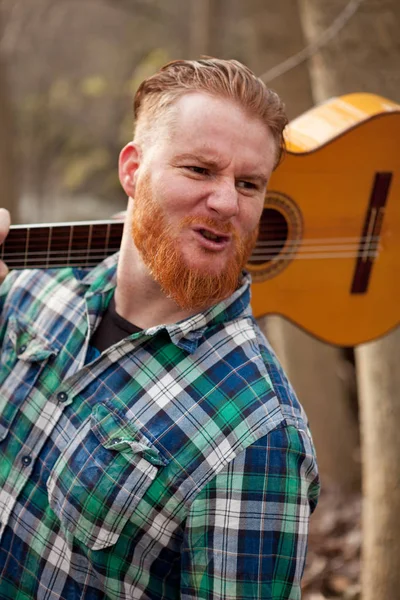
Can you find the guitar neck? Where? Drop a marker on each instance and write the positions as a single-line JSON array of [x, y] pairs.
[[61, 244], [86, 244]]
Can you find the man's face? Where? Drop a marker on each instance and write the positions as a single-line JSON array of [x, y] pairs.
[[199, 197]]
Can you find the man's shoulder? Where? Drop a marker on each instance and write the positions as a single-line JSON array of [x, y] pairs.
[[28, 289], [246, 362]]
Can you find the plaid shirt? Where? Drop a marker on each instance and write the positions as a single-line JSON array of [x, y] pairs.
[[178, 464]]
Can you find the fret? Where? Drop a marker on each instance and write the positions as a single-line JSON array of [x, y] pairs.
[[60, 248], [89, 245], [114, 239], [26, 247], [49, 236], [79, 246], [98, 242], [38, 249], [71, 235], [107, 241], [22, 242]]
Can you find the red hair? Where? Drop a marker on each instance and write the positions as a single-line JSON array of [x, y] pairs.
[[222, 78]]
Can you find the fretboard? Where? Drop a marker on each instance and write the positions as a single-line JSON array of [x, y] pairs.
[[86, 244], [82, 244]]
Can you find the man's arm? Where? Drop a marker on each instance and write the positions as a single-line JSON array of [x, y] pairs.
[[246, 534]]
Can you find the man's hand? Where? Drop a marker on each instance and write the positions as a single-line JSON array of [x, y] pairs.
[[4, 228]]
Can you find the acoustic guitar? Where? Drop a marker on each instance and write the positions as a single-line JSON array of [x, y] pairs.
[[328, 252]]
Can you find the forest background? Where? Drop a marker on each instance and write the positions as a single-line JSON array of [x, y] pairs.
[[68, 72]]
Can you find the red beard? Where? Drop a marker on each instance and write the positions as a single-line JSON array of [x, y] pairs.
[[190, 288]]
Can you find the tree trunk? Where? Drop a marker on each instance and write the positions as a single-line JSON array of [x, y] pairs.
[[379, 384], [372, 43], [320, 375], [200, 28], [8, 189]]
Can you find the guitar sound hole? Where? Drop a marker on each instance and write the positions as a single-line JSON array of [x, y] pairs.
[[271, 238]]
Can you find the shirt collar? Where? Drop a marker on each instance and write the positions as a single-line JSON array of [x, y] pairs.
[[185, 334], [102, 278]]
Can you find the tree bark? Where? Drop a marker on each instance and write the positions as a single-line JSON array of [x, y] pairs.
[[379, 384], [365, 56]]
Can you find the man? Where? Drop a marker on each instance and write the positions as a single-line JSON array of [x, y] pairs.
[[151, 446]]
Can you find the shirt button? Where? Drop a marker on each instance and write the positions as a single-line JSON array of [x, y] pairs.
[[62, 396], [26, 460]]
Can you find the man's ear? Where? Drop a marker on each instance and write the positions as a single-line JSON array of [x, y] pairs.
[[129, 162]]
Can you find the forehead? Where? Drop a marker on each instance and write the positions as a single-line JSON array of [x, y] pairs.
[[201, 123]]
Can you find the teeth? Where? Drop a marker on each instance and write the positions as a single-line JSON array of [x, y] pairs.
[[209, 235]]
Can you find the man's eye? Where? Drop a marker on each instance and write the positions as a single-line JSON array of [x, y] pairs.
[[198, 170], [246, 185]]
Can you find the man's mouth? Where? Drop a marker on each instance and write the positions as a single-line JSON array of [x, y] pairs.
[[214, 237], [211, 238]]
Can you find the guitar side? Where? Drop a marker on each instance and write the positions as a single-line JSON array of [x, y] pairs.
[[339, 270]]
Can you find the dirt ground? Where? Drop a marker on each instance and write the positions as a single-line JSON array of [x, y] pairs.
[[333, 561]]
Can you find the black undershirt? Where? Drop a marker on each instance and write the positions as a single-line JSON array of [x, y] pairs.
[[112, 329]]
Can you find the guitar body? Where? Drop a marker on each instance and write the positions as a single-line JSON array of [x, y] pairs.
[[335, 267]]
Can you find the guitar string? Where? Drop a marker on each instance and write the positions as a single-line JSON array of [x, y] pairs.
[[16, 236], [265, 233], [94, 260], [299, 240], [291, 248], [278, 244], [93, 263], [264, 243]]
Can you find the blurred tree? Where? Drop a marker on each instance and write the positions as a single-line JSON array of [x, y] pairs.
[[72, 84], [365, 56], [200, 28], [8, 175]]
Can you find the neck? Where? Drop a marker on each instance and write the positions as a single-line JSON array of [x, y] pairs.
[[138, 298]]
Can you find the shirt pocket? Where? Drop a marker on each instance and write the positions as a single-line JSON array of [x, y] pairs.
[[100, 478], [24, 355]]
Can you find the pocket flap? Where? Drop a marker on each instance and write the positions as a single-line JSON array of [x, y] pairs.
[[26, 343], [115, 433]]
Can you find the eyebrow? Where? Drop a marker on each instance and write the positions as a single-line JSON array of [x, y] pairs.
[[212, 163], [205, 160]]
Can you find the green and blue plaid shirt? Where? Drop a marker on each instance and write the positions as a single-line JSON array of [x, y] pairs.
[[178, 464]]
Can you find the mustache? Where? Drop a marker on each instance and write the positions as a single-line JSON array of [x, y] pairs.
[[224, 228]]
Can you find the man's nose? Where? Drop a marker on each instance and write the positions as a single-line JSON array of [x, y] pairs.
[[223, 199]]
